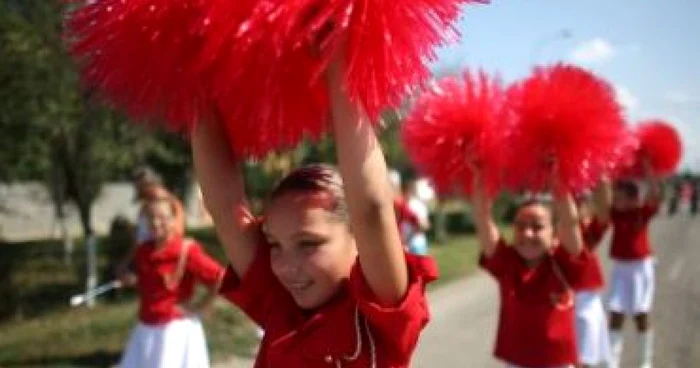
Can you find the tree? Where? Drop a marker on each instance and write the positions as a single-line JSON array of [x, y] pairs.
[[55, 131]]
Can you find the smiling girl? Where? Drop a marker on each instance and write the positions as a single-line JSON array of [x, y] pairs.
[[323, 272], [534, 274]]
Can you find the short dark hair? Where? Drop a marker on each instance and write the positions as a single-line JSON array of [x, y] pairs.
[[534, 200], [315, 178], [629, 188]]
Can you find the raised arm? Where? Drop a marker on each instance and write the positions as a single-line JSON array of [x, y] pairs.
[[602, 200], [568, 227], [368, 194], [221, 181], [653, 196], [486, 229]]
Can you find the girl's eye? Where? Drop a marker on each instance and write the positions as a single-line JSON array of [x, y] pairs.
[[274, 247], [310, 244]]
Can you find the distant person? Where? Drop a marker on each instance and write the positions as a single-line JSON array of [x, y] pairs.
[[694, 196], [675, 198], [536, 272], [406, 220], [148, 186], [592, 332], [169, 333], [632, 283], [415, 234]]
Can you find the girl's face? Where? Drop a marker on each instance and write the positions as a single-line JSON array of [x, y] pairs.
[[312, 251], [161, 220], [534, 232]]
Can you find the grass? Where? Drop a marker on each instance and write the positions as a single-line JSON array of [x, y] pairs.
[[38, 328], [456, 257], [96, 337]]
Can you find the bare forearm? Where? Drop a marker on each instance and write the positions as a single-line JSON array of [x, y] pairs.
[[221, 182], [486, 229], [369, 197], [603, 198], [569, 228], [208, 301], [654, 192]]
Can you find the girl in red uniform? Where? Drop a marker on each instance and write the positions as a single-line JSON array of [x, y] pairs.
[[592, 335], [535, 276], [324, 272], [169, 334], [632, 284]]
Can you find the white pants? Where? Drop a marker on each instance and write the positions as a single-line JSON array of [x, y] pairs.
[[632, 286], [177, 344], [592, 338]]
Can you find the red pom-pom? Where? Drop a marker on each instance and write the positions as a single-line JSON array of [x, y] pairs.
[[456, 121], [626, 164], [141, 55], [285, 46], [660, 143], [564, 113], [263, 90]]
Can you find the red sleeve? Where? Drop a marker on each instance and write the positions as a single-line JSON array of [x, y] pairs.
[[573, 267], [614, 214], [594, 232], [499, 262], [399, 326], [649, 210], [254, 292], [204, 268]]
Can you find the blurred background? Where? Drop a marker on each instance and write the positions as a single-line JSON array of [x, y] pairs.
[[66, 160]]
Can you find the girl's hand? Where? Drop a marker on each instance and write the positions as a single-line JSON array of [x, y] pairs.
[[128, 279]]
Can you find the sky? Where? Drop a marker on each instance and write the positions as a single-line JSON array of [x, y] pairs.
[[648, 50]]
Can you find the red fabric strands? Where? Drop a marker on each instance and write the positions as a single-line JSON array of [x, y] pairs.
[[273, 92], [263, 89], [661, 143], [140, 56], [257, 66], [565, 113], [459, 119]]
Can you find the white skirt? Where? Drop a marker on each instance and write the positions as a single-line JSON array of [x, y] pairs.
[[632, 286], [592, 339], [176, 344]]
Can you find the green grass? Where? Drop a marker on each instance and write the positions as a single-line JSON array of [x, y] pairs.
[[38, 328], [456, 257], [95, 337]]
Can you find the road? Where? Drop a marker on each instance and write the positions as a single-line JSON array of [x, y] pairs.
[[462, 329]]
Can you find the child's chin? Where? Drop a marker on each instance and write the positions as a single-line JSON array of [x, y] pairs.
[[531, 254], [307, 303]]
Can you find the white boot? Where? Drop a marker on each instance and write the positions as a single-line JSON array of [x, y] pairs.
[[615, 349], [646, 349]]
